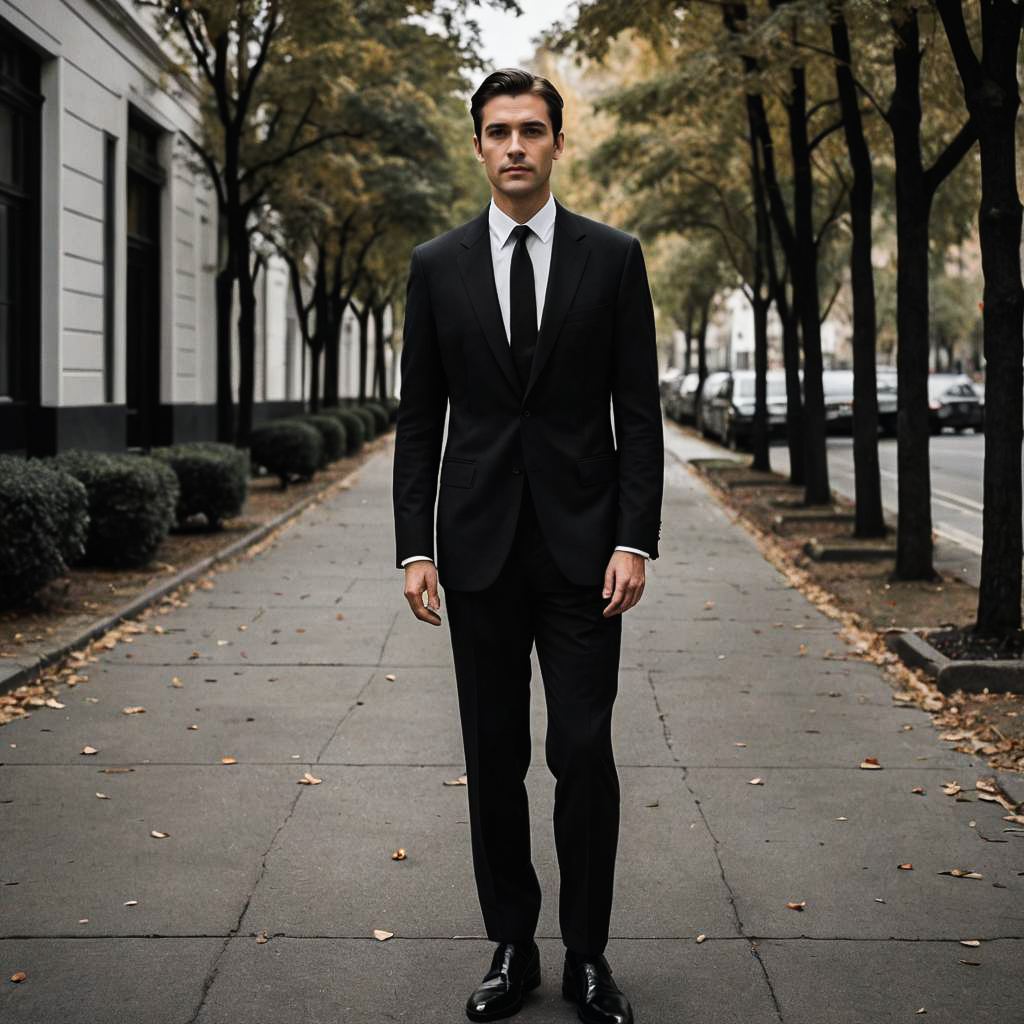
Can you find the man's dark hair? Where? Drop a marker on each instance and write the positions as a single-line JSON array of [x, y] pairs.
[[514, 82]]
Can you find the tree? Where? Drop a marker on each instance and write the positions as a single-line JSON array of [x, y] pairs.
[[992, 98]]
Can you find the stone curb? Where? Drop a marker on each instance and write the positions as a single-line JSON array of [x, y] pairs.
[[21, 673], [949, 675], [847, 552]]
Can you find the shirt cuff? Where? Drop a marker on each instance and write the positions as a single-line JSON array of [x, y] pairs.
[[416, 558], [636, 551]]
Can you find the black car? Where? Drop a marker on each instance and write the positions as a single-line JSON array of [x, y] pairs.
[[953, 402], [729, 410]]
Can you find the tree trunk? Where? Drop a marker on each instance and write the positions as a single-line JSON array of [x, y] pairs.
[[993, 99], [689, 317], [913, 211], [246, 344], [225, 288], [805, 289], [870, 519]]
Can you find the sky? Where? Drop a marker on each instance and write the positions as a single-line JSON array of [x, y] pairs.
[[506, 38]]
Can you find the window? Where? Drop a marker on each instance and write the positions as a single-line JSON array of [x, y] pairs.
[[19, 219]]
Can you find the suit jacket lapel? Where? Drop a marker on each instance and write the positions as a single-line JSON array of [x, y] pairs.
[[478, 276], [569, 255]]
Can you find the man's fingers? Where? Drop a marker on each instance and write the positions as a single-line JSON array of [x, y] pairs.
[[609, 582], [433, 601]]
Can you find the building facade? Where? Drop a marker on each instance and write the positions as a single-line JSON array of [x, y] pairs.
[[109, 243]]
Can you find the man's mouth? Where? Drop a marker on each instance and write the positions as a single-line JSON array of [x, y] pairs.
[[515, 167]]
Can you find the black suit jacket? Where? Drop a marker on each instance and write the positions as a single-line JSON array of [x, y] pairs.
[[595, 358]]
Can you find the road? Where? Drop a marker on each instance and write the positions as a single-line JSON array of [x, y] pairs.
[[957, 462]]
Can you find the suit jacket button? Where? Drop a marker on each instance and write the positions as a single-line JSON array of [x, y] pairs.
[[526, 412], [516, 470]]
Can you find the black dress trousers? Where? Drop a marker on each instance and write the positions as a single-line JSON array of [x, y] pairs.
[[493, 632]]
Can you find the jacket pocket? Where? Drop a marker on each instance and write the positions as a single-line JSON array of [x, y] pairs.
[[597, 469], [598, 312], [457, 472]]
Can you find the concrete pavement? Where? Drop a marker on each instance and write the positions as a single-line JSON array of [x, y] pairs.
[[728, 674]]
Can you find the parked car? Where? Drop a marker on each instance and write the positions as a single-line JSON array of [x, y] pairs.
[[713, 383], [838, 388], [729, 411], [953, 402], [683, 403]]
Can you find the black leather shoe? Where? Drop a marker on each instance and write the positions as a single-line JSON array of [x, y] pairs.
[[588, 983], [515, 970]]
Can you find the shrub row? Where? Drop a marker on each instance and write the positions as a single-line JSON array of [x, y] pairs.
[[296, 447], [115, 509]]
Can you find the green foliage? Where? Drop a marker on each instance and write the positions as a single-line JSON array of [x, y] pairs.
[[332, 435], [132, 501], [355, 427], [213, 479], [380, 416], [369, 420], [287, 448], [43, 524]]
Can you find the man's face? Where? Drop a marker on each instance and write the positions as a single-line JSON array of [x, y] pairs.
[[517, 145]]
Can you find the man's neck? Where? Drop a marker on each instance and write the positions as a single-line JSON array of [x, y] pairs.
[[521, 210]]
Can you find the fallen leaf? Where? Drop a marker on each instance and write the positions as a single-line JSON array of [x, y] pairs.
[[159, 629], [159, 835], [262, 937], [54, 703], [739, 744], [103, 796], [460, 781], [971, 963], [131, 903], [905, 867], [921, 1010], [870, 762], [133, 709], [803, 650], [229, 760], [701, 937], [708, 605], [969, 942], [919, 790], [381, 935], [309, 779], [879, 899], [18, 976], [399, 854], [797, 906], [391, 677], [756, 782], [844, 818], [89, 750], [176, 681], [951, 788], [653, 803], [193, 726], [960, 873]]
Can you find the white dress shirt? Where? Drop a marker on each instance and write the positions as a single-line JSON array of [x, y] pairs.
[[538, 246]]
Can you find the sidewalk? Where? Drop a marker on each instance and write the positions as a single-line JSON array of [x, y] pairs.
[[284, 666]]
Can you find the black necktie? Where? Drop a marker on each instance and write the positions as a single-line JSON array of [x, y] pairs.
[[522, 306]]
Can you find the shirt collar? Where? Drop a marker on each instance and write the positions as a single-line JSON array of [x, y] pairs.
[[542, 223]]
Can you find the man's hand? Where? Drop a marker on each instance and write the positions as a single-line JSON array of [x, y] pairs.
[[623, 582], [420, 578]]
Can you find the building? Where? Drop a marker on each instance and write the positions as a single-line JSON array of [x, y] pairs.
[[108, 243]]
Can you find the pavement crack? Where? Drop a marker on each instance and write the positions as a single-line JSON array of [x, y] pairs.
[[755, 952], [384, 645]]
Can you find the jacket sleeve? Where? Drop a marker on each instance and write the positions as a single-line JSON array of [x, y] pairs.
[[419, 429], [636, 406]]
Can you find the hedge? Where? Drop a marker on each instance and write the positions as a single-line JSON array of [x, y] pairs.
[[369, 420], [213, 479], [132, 500], [355, 428], [380, 416], [332, 435], [43, 524], [286, 448]]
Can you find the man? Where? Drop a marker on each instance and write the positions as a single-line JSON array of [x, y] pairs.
[[533, 326]]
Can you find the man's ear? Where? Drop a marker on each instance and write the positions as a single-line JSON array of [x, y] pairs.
[[477, 151], [559, 146]]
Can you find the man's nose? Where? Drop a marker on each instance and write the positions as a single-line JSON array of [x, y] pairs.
[[515, 145]]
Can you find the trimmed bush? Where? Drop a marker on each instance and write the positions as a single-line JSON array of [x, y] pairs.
[[43, 524], [355, 428], [369, 420], [332, 435], [213, 479], [391, 405], [380, 416], [286, 448], [132, 499]]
